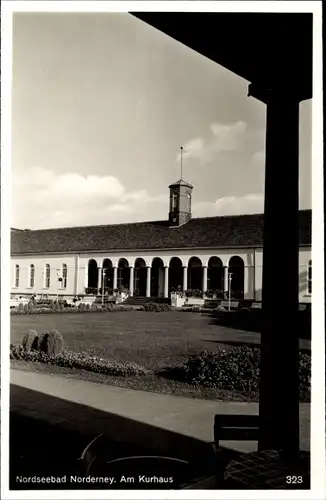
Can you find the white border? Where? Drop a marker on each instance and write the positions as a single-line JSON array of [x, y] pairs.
[[318, 343]]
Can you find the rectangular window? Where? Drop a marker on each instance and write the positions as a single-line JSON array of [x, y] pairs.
[[17, 276], [31, 275], [310, 277], [47, 276], [64, 276]]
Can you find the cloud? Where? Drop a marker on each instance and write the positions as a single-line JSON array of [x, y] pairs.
[[233, 205], [41, 198], [258, 158], [230, 205], [223, 138]]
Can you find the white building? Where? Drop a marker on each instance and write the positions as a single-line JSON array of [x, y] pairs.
[[152, 259]]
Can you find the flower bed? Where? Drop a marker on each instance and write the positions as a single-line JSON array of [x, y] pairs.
[[81, 361]]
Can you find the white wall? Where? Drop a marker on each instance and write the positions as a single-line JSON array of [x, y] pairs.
[[76, 282], [304, 257], [39, 262]]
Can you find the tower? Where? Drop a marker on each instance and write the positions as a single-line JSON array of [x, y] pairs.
[[180, 203]]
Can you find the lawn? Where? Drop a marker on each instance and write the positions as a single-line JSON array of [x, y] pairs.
[[152, 340]]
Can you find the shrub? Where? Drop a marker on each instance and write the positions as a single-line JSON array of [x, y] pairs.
[[21, 307], [152, 306], [121, 308], [194, 293], [81, 307], [81, 361], [237, 369], [87, 307], [29, 340], [193, 308], [51, 343]]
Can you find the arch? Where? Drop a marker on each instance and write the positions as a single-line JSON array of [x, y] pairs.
[[123, 273], [92, 274], [64, 275], [31, 276], [309, 276], [215, 274], [17, 270], [140, 277], [122, 262], [157, 277], [107, 276], [194, 262], [236, 269], [195, 274], [175, 274], [47, 276]]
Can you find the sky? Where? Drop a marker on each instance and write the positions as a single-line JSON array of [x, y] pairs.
[[101, 104]]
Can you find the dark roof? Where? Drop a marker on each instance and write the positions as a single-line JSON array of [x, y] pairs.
[[181, 182], [219, 232]]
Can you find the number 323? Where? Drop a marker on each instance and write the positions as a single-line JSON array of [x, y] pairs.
[[294, 479]]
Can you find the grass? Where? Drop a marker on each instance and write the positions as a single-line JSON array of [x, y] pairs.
[[153, 340]]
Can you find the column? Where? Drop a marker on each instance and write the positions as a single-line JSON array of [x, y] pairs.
[[99, 279], [249, 282], [148, 282], [204, 279], [279, 385], [226, 279], [185, 278], [115, 278], [76, 286], [131, 282], [166, 282], [86, 276]]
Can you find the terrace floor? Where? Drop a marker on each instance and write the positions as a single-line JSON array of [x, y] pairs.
[[145, 422]]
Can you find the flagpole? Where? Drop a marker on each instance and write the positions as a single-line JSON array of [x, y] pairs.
[[181, 160]]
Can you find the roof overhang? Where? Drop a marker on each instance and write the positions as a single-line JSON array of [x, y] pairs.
[[271, 50]]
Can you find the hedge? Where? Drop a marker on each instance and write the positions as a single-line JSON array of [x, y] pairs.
[[236, 369], [82, 361], [156, 307], [91, 308]]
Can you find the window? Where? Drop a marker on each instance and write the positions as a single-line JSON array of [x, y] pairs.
[[47, 274], [64, 276], [31, 275], [16, 275], [189, 202], [310, 276], [174, 201]]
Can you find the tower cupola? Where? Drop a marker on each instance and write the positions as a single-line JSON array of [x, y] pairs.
[[180, 203]]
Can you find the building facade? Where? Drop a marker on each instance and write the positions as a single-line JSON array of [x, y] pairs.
[[151, 259]]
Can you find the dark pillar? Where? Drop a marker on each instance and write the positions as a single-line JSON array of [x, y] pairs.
[[279, 385]]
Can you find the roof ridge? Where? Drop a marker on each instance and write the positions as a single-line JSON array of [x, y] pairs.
[[152, 222]]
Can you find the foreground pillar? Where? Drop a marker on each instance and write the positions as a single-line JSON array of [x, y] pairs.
[[99, 279], [115, 278], [185, 279], [131, 282], [166, 282], [279, 387], [148, 282]]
